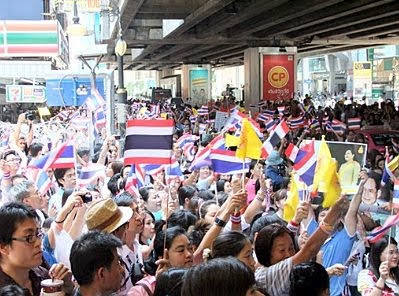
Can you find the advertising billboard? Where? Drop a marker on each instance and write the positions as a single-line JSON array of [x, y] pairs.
[[199, 81], [278, 76]]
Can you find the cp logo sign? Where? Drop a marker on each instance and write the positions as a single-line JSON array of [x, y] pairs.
[[278, 76]]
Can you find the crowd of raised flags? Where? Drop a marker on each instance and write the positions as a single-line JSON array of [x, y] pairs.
[[149, 144]]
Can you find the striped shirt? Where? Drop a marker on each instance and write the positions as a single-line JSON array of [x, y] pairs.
[[275, 279]]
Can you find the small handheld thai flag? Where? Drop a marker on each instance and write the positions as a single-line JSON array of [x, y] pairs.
[[151, 169], [269, 112], [217, 143], [47, 161], [90, 174], [135, 180], [291, 152], [271, 124], [380, 232], [95, 100], [395, 199], [281, 110], [66, 159], [354, 123], [263, 117], [149, 141], [261, 103], [173, 171], [225, 162], [296, 123], [275, 137], [314, 124], [4, 139], [40, 178], [305, 163], [203, 110]]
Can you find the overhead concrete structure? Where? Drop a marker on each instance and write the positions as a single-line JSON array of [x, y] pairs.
[[217, 32]]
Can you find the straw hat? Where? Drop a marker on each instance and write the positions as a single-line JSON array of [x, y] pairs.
[[105, 215]]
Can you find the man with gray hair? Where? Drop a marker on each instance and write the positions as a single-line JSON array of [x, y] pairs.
[[26, 192]]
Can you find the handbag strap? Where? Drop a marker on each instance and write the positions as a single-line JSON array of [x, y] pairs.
[[146, 288]]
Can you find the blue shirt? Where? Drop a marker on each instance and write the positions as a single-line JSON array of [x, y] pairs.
[[272, 173], [336, 249]]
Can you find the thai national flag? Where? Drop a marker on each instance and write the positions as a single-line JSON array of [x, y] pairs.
[[193, 119], [99, 119], [269, 112], [47, 161], [291, 152], [173, 171], [66, 159], [389, 169], [4, 139], [261, 103], [305, 163], [151, 169], [225, 162], [189, 151], [186, 139], [354, 123], [40, 178], [90, 174], [315, 124], [275, 137], [263, 117], [395, 199], [135, 180], [380, 232], [281, 110], [296, 122], [94, 101], [203, 110], [203, 155], [271, 124], [149, 141]]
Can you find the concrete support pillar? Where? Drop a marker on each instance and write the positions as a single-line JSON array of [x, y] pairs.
[[251, 76], [330, 65]]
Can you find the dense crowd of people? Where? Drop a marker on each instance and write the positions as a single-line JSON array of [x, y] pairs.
[[197, 232]]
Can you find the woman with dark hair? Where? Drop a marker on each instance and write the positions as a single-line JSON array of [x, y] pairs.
[[147, 234], [170, 282], [220, 277], [208, 211], [235, 244], [309, 279], [382, 277], [275, 250], [223, 186], [172, 248]]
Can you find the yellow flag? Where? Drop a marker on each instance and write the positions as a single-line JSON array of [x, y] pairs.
[[195, 112], [231, 141], [393, 164], [249, 145], [322, 166], [332, 186], [292, 201]]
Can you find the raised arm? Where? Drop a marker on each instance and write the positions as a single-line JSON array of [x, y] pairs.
[[351, 216], [314, 243]]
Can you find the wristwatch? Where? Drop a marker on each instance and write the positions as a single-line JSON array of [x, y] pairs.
[[219, 222]]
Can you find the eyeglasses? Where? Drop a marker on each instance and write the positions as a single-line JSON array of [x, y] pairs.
[[16, 160], [30, 239]]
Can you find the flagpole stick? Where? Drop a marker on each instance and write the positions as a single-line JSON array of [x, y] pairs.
[[166, 216]]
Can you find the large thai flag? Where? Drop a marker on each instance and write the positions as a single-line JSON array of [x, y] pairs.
[[225, 162], [354, 123], [305, 163], [203, 155], [380, 232], [149, 142], [47, 161], [90, 174], [275, 137]]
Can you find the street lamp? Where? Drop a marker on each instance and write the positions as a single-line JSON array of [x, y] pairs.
[[76, 29]]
